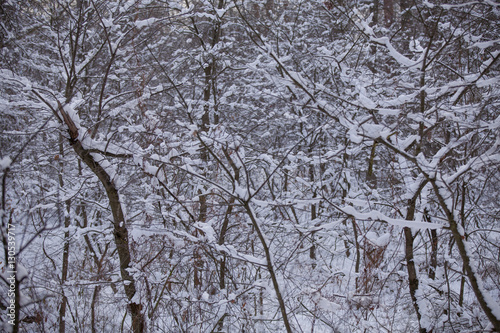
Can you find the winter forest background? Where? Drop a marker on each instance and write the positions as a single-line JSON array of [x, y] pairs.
[[251, 166]]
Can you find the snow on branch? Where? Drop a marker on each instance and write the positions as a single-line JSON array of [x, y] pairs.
[[378, 216]]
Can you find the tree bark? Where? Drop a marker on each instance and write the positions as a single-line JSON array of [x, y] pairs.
[[270, 266], [409, 256], [485, 300], [120, 231], [65, 263], [434, 251]]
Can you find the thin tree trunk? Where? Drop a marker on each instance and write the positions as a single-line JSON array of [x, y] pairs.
[[209, 92], [314, 215], [95, 295], [462, 279], [222, 235], [370, 176], [485, 300], [409, 256], [225, 224], [358, 251], [270, 267], [410, 214], [434, 250], [65, 263], [412, 274]]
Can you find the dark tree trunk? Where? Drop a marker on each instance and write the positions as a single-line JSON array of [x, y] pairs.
[[413, 281], [120, 231], [458, 233], [65, 263]]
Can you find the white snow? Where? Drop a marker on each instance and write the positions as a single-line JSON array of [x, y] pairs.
[[5, 162], [143, 23], [378, 216], [401, 59]]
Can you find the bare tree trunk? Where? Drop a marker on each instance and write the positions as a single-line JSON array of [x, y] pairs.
[[434, 250], [314, 215], [370, 176], [412, 274], [65, 263], [95, 295], [270, 265], [222, 263], [409, 256], [120, 231], [358, 251], [209, 93], [222, 235], [462, 279], [485, 300]]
